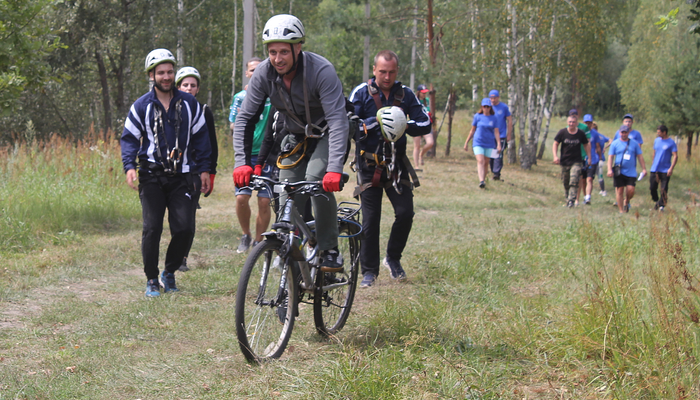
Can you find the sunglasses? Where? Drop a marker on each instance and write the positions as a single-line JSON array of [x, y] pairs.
[[487, 106]]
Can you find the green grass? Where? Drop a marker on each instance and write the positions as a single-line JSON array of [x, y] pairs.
[[52, 190], [510, 295]]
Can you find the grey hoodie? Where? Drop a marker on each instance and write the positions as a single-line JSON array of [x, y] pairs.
[[325, 99]]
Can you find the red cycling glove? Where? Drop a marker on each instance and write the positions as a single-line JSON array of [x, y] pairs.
[[211, 185], [258, 170], [241, 175], [331, 181]]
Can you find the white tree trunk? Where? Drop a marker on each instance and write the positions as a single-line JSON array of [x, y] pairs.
[[180, 22], [512, 96], [528, 154], [365, 60], [235, 48], [548, 112], [475, 87], [414, 37], [519, 119]]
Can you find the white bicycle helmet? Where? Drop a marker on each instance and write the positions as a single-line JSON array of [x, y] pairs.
[[159, 56], [184, 72], [283, 28], [392, 121]]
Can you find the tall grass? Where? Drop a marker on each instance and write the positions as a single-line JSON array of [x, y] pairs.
[[509, 295], [50, 191]]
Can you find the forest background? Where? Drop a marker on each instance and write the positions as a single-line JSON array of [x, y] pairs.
[[517, 297], [71, 66]]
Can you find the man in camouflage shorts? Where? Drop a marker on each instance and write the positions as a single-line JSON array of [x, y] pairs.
[[571, 138]]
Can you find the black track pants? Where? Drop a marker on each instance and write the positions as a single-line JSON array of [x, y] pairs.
[[656, 179], [158, 194], [371, 218]]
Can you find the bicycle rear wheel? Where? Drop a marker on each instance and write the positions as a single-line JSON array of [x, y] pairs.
[[266, 302], [335, 292]]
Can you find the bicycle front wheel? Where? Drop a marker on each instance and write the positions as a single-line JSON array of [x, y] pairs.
[[266, 303], [335, 292]]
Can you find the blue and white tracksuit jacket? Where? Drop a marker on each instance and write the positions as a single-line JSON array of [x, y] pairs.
[[137, 141]]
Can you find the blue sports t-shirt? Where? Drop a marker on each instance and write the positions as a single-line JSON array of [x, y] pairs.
[[628, 158], [664, 149], [502, 112], [603, 140], [633, 135], [595, 140], [484, 135]]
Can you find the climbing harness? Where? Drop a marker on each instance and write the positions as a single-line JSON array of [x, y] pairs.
[[174, 155]]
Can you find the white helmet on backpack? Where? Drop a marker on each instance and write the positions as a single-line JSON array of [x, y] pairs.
[[184, 72], [283, 28], [159, 56], [392, 121]]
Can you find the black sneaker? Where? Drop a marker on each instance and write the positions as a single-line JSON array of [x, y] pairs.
[[395, 268], [570, 204], [482, 185], [167, 279], [244, 245], [368, 280], [331, 261], [152, 288], [184, 267], [496, 177]]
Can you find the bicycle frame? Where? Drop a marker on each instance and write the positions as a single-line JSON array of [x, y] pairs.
[[284, 229]]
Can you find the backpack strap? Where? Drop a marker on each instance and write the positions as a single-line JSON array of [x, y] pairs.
[[411, 171], [398, 97], [374, 91]]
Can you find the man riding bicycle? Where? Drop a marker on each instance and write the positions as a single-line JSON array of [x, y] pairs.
[[306, 89]]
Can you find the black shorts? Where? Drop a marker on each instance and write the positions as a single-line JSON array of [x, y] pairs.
[[592, 170], [584, 171], [623, 180]]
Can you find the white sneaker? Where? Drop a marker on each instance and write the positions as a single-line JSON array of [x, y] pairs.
[[587, 199], [603, 193]]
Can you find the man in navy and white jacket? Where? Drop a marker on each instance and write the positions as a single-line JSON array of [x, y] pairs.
[[166, 138], [374, 154]]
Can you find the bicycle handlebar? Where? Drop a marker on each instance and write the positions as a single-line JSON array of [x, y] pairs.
[[258, 182]]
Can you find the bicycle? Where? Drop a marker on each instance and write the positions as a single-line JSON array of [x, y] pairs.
[[282, 270]]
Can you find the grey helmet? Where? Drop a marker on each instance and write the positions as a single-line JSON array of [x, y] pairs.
[[184, 72], [283, 28], [159, 56]]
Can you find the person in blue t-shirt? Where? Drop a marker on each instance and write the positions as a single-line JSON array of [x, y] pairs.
[[665, 155], [505, 129], [624, 152], [596, 151], [486, 136], [628, 120], [601, 163]]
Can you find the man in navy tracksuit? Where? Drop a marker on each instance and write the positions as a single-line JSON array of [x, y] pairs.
[[165, 136], [374, 161]]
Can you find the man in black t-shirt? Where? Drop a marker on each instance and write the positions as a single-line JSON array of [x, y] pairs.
[[571, 161]]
